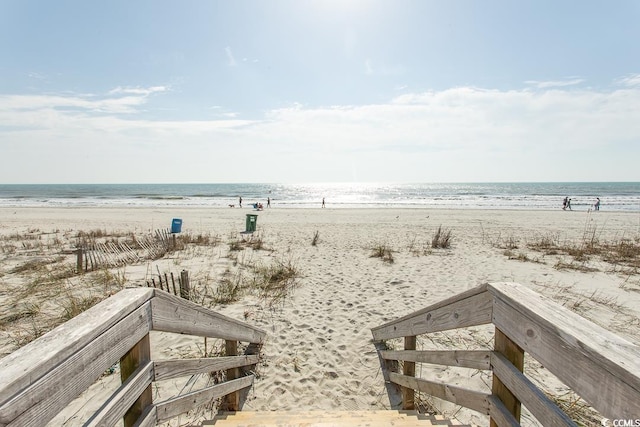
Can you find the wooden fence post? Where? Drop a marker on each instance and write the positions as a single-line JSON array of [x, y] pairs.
[[409, 369], [232, 400], [512, 352], [138, 355], [79, 261], [185, 290]]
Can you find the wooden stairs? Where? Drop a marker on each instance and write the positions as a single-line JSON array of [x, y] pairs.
[[318, 418]]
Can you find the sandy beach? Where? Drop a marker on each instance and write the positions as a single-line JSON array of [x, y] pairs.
[[319, 354]]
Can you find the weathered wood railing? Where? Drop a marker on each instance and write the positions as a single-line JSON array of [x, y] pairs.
[[599, 366], [40, 379]]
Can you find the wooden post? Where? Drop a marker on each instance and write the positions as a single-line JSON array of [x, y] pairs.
[[232, 400], [185, 291], [512, 352], [138, 355], [79, 259], [173, 282], [409, 368]]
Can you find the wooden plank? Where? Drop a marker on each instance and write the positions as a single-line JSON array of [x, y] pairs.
[[139, 355], [29, 363], [40, 401], [232, 400], [500, 414], [185, 287], [470, 308], [580, 353], [476, 400], [115, 408], [473, 359], [174, 314], [79, 257], [409, 369], [543, 408], [149, 417], [168, 369], [515, 355], [181, 404]]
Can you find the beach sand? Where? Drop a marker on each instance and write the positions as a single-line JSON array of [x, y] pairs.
[[319, 353]]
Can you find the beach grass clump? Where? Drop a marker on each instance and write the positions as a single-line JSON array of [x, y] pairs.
[[99, 233], [73, 305], [574, 265], [276, 281], [229, 288], [199, 239], [518, 256], [576, 408], [256, 243], [108, 279], [19, 312], [23, 335], [33, 266], [548, 243], [441, 238], [623, 252], [382, 251], [235, 245], [417, 249]]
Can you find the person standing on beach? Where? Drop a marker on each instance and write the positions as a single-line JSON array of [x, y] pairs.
[[240, 201], [323, 202], [268, 202], [596, 206]]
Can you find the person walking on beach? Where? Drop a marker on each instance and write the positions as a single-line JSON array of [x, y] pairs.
[[569, 204], [240, 201], [596, 206], [564, 203], [268, 202], [323, 202]]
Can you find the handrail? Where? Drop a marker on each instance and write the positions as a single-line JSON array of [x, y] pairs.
[[35, 380], [601, 367]]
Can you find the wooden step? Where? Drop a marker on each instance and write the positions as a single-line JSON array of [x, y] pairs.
[[318, 418]]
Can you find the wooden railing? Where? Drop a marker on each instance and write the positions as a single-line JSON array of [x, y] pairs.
[[42, 378], [599, 366]]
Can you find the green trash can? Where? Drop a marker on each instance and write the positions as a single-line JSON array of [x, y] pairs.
[[252, 221]]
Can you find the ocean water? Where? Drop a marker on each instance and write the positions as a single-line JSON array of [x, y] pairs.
[[614, 196]]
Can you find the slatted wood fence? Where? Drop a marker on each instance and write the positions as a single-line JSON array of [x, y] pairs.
[[183, 288], [95, 255], [43, 377], [598, 365]]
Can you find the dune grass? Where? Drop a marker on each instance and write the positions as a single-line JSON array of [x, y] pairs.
[[382, 251], [441, 238]]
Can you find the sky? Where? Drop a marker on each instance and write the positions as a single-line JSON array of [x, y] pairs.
[[293, 91]]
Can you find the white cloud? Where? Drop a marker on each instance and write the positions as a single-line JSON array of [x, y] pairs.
[[384, 70], [37, 76], [631, 80], [368, 68], [457, 134], [231, 60], [138, 90], [555, 83]]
